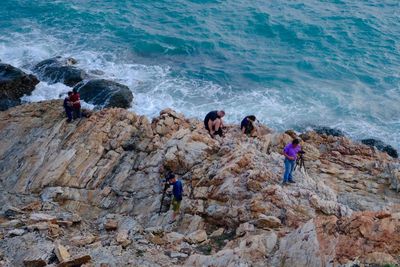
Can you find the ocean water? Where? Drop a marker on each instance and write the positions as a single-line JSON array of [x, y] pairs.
[[291, 63]]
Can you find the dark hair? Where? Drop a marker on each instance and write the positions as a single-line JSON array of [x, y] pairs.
[[170, 176], [251, 117], [223, 112], [69, 93], [296, 141], [75, 90]]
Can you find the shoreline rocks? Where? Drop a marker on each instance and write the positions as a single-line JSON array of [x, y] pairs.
[[381, 146], [59, 69], [105, 93], [95, 186], [14, 83]]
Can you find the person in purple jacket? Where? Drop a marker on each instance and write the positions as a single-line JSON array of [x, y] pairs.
[[290, 152]]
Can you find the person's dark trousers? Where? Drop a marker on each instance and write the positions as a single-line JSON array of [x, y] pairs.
[[289, 166], [76, 113], [68, 112], [219, 132]]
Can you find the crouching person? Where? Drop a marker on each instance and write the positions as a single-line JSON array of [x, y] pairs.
[[248, 127], [177, 192], [213, 123]]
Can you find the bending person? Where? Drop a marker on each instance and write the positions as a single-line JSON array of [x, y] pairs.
[[248, 127], [213, 122]]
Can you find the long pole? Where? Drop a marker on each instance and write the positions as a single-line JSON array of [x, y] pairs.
[[163, 196]]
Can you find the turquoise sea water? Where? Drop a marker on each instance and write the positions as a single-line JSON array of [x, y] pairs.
[[291, 63]]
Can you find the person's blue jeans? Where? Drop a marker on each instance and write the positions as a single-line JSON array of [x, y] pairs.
[[289, 166]]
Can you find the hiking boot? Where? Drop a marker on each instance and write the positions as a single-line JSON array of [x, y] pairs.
[[284, 183], [292, 182]]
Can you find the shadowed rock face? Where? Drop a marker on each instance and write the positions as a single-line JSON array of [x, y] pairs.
[[95, 187], [14, 83], [59, 69], [105, 93]]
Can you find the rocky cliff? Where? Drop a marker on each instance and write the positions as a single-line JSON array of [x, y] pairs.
[[88, 193]]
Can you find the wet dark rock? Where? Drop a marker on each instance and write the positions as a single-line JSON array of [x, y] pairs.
[[14, 83], [129, 145], [381, 146], [8, 103], [329, 131], [58, 69], [104, 93]]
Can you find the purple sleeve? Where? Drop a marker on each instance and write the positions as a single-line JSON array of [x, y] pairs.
[[286, 148]]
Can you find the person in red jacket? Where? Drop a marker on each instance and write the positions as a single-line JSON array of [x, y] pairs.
[[75, 99]]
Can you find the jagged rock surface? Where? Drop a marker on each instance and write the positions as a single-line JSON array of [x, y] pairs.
[[94, 187], [14, 83], [59, 69], [105, 93]]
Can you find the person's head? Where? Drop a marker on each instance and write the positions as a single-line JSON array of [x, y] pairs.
[[171, 178], [221, 113], [69, 93], [252, 118], [75, 90], [295, 142]]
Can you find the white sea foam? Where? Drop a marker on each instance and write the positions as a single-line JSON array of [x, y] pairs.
[[45, 91], [155, 88]]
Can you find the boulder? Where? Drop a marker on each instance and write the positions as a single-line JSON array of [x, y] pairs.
[[77, 261], [244, 228], [266, 222], [196, 237], [174, 237], [61, 253], [123, 238], [83, 240], [34, 263], [59, 69], [14, 83], [104, 93], [381, 146], [111, 225]]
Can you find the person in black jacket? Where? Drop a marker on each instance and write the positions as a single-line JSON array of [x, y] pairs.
[[213, 122], [68, 107], [248, 127]]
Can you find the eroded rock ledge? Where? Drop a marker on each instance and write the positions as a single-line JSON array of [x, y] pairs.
[[89, 192]]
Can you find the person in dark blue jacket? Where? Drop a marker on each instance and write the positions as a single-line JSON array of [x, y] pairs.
[[68, 107], [177, 192], [248, 127]]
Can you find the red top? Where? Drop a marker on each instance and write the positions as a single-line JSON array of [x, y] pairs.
[[75, 98]]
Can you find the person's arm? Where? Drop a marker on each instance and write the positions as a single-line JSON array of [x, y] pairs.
[[287, 156], [243, 130], [254, 132]]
